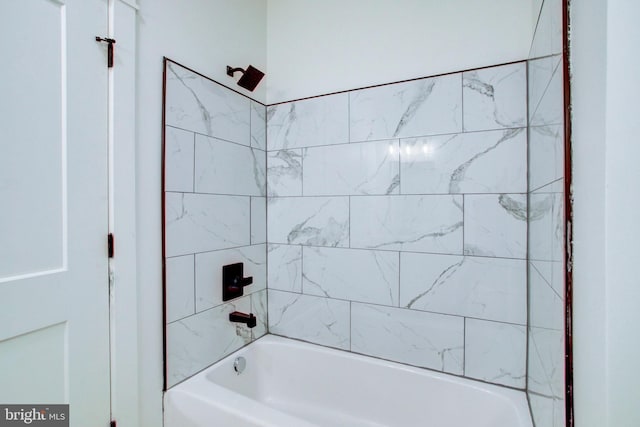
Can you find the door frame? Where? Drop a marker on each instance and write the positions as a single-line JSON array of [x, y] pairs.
[[123, 300]]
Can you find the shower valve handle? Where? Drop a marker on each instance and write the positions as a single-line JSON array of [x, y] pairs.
[[233, 281], [242, 281]]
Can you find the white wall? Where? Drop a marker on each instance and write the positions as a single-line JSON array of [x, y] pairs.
[[318, 47], [622, 206], [606, 228], [205, 35], [588, 69], [125, 394]]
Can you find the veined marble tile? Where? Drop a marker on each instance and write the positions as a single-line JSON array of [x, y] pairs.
[[258, 126], [178, 164], [478, 162], [546, 155], [180, 300], [546, 226], [318, 320], [351, 274], [421, 107], [203, 222], [259, 309], [284, 173], [201, 105], [495, 225], [310, 122], [258, 220], [553, 187], [209, 273], [553, 272], [227, 168], [317, 221], [541, 72], [546, 306], [550, 109], [495, 352], [363, 168], [486, 288], [285, 267], [200, 340], [428, 340], [546, 362], [547, 39], [547, 411], [495, 97], [407, 223]]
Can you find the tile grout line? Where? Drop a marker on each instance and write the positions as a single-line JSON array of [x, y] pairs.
[[302, 270], [349, 208], [394, 138], [195, 285], [412, 310], [464, 223], [544, 93], [485, 257], [464, 346], [193, 175], [399, 279], [399, 142], [462, 100], [535, 30], [532, 265], [349, 117], [196, 133], [350, 325], [398, 196], [231, 248]]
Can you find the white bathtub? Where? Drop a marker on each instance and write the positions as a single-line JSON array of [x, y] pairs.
[[288, 383]]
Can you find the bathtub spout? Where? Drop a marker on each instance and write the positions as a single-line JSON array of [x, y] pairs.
[[249, 319]]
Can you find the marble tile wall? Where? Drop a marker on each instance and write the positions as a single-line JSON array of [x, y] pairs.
[[397, 222], [215, 214], [546, 293]]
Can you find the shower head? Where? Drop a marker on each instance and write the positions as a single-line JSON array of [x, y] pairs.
[[250, 77]]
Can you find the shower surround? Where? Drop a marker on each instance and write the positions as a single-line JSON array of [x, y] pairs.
[[214, 189], [546, 359], [397, 222]]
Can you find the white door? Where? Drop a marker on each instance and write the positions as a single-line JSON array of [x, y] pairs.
[[54, 313]]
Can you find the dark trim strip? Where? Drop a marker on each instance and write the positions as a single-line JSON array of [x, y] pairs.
[[164, 249], [568, 217]]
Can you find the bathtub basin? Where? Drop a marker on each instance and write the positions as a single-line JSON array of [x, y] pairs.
[[288, 383]]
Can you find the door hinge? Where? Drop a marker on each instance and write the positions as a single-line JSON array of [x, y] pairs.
[[110, 43], [111, 249], [113, 424]]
